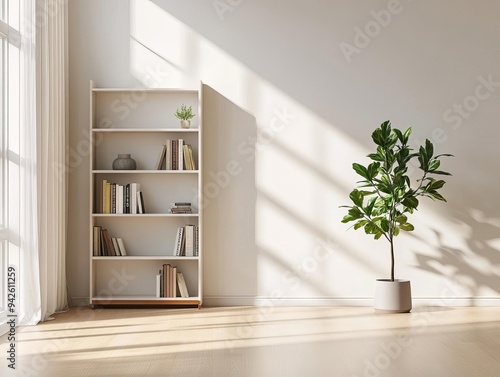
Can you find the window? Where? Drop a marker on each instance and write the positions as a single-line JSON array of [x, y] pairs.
[[9, 114]]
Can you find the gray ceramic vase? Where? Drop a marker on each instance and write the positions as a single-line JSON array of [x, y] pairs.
[[124, 162]]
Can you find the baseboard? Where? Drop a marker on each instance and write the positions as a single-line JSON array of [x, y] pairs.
[[343, 301], [79, 301]]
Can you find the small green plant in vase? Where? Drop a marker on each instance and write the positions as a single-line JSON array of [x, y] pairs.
[[386, 195], [185, 114]]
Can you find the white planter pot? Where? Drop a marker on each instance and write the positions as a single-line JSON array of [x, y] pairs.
[[392, 296], [185, 123]]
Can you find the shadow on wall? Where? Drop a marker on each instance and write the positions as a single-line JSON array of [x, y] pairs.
[[476, 265], [229, 214]]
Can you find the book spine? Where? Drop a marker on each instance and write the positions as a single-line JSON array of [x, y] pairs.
[[113, 198], [168, 155], [121, 246], [127, 198], [162, 282], [197, 241], [174, 154], [158, 285], [180, 159], [189, 240]]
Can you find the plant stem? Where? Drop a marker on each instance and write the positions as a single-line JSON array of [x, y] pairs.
[[392, 257]]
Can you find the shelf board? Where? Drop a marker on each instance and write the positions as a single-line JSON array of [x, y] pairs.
[[145, 171], [146, 90], [144, 215], [145, 300], [146, 130], [150, 257]]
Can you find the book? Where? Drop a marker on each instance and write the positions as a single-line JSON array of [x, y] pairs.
[[188, 157], [106, 197], [180, 156], [119, 199], [104, 249], [191, 158], [182, 285], [96, 250], [158, 284], [197, 241], [140, 203], [127, 199], [178, 242], [134, 187], [109, 243], [162, 282], [189, 244], [115, 246], [113, 197], [168, 155], [121, 246], [160, 163], [173, 282]]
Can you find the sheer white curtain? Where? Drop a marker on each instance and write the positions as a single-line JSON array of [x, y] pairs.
[[42, 140], [51, 153], [27, 240]]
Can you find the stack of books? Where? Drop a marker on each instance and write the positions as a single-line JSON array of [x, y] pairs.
[[181, 207]]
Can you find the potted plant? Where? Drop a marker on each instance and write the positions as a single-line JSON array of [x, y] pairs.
[[385, 197], [185, 114]]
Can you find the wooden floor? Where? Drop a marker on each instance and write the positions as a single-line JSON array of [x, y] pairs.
[[260, 342]]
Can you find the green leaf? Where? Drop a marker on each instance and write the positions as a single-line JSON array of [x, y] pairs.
[[436, 185], [377, 137], [429, 148], [400, 135], [354, 213], [436, 195], [360, 224], [371, 228], [395, 232], [373, 170], [434, 164], [376, 157], [407, 227], [369, 207], [378, 235], [407, 135], [423, 159], [401, 219], [384, 224], [410, 202], [356, 197], [361, 170], [440, 172]]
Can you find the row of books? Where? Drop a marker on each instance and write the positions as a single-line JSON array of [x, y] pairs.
[[170, 283], [106, 246], [187, 241], [118, 198], [176, 155]]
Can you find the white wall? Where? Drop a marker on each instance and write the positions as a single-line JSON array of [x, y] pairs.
[[290, 106]]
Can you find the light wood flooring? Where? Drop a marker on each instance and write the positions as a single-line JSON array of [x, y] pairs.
[[260, 342]]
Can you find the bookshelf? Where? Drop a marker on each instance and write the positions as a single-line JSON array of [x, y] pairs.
[[139, 122]]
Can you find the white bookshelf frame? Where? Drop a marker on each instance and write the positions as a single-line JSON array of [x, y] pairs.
[[104, 286]]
